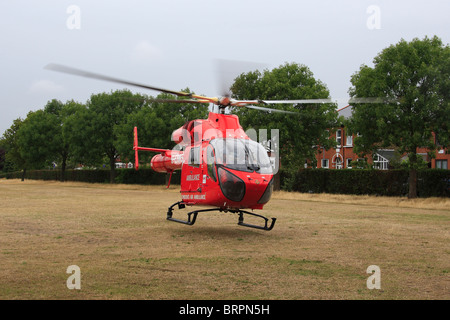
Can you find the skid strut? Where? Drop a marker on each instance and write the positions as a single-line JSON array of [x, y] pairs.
[[192, 216], [189, 221], [266, 220], [181, 205]]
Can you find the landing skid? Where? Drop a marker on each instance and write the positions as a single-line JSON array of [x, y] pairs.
[[192, 216]]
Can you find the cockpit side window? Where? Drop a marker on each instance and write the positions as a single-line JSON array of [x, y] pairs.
[[210, 162], [194, 157]]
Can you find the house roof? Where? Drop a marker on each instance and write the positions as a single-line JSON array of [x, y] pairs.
[[387, 154], [346, 112]]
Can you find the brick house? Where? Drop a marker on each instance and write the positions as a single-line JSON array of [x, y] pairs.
[[342, 156]]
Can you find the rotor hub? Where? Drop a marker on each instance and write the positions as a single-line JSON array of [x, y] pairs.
[[224, 101]]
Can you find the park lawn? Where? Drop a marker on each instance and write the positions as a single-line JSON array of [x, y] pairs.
[[118, 235]]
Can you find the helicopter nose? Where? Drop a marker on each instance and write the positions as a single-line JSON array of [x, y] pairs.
[[232, 186], [256, 186], [258, 181], [261, 187], [267, 192]]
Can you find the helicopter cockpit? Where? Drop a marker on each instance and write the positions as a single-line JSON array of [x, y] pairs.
[[242, 155]]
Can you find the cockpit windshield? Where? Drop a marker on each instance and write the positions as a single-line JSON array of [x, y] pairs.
[[241, 154]]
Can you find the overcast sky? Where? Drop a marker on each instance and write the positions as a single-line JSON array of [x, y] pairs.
[[175, 44]]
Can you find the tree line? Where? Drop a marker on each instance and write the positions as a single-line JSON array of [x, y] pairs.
[[93, 134], [409, 80]]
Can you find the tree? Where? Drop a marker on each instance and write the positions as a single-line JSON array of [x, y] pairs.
[[91, 130], [38, 138], [300, 135], [84, 138], [62, 144], [9, 141], [412, 79], [2, 155], [41, 138]]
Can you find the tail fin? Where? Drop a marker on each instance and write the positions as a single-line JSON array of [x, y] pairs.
[[135, 147]]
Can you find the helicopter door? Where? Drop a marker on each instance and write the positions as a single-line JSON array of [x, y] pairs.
[[192, 172]]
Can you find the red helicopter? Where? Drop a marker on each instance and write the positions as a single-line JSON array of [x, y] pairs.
[[220, 165]]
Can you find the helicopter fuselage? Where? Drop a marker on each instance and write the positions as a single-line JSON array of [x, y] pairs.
[[220, 165]]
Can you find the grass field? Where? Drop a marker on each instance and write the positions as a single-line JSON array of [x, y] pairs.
[[320, 247]]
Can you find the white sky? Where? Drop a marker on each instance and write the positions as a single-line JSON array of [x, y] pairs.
[[175, 44]]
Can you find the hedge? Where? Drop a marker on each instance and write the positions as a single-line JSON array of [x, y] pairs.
[[145, 176], [92, 176], [431, 182], [127, 176], [434, 183]]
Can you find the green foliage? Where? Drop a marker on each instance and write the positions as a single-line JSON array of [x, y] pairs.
[[146, 177], [2, 156], [9, 143], [432, 182], [414, 77], [91, 130], [91, 176], [40, 139], [299, 134], [125, 176], [105, 112], [84, 131]]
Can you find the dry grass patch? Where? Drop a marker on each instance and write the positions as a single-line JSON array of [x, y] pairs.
[[403, 202], [320, 247]]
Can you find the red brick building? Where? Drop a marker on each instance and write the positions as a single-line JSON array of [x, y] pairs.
[[343, 156]]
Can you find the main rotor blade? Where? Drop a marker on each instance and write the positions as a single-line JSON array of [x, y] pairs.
[[269, 109], [150, 100], [297, 101], [372, 100], [178, 101], [87, 74]]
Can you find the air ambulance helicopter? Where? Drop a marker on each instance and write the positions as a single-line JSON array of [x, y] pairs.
[[221, 167]]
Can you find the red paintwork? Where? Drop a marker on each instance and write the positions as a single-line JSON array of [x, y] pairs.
[[168, 161], [197, 187]]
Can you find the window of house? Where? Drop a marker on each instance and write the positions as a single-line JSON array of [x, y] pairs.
[[442, 164], [338, 163], [325, 163], [349, 141], [348, 163], [338, 137], [380, 162]]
